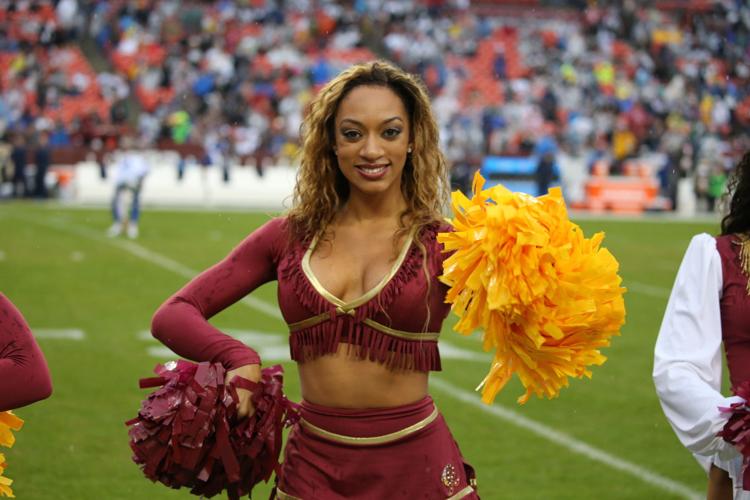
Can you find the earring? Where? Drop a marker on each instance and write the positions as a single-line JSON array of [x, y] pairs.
[[409, 150]]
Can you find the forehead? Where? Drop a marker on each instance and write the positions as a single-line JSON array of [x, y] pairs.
[[371, 103]]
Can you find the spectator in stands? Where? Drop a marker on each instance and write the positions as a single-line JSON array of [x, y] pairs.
[[545, 172], [637, 85], [131, 168], [717, 183], [19, 158], [41, 164]]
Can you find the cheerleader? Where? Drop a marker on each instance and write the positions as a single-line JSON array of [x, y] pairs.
[[24, 377], [357, 264], [709, 306]]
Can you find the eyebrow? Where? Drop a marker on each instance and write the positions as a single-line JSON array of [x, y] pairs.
[[362, 125]]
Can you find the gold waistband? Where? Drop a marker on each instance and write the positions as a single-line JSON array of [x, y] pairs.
[[372, 440], [280, 495], [321, 318]]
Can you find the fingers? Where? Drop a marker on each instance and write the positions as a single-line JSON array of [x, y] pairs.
[[245, 376], [245, 405]]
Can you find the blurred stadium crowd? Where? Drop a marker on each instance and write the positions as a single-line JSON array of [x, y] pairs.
[[606, 81]]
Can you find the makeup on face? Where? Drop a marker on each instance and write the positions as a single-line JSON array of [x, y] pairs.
[[372, 138]]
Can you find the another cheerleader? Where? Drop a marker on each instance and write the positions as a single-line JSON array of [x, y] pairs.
[[24, 377], [709, 305]]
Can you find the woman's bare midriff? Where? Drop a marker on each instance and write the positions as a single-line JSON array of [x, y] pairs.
[[342, 380]]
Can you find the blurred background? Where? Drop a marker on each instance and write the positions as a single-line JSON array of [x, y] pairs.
[[629, 106], [638, 110]]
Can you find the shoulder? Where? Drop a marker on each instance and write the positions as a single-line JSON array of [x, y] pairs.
[[703, 243], [429, 237], [10, 316], [702, 252], [278, 225], [7, 307], [430, 231], [272, 236], [727, 242], [5, 304]]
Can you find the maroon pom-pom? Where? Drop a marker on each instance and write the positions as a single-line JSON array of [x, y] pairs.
[[187, 433], [737, 429]]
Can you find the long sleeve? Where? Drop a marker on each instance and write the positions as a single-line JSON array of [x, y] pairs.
[[688, 354], [24, 376], [181, 322]]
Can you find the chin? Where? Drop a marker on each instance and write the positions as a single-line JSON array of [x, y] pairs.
[[372, 188]]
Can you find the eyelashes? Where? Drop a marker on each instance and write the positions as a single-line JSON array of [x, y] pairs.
[[353, 135]]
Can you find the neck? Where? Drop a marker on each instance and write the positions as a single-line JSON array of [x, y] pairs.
[[361, 208]]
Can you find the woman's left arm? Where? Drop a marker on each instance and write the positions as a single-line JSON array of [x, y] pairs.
[[24, 376]]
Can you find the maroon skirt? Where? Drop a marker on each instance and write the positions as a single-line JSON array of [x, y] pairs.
[[402, 452]]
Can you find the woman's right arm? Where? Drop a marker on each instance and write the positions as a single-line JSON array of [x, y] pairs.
[[688, 354], [24, 376], [181, 323]]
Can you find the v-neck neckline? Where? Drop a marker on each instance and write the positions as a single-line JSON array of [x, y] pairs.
[[307, 270]]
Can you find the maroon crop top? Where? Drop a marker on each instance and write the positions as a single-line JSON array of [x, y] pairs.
[[735, 310], [386, 325], [24, 377]]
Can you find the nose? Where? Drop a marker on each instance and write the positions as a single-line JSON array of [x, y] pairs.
[[371, 148]]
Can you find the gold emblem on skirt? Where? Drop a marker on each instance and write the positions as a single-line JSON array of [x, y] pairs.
[[449, 478]]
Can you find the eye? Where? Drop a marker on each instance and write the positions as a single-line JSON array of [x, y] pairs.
[[391, 133], [351, 134]]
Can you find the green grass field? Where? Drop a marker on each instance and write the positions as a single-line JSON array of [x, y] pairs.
[[602, 438]]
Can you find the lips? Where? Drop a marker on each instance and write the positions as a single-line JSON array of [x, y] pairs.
[[372, 171]]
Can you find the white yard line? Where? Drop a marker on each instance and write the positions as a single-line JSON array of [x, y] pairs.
[[650, 290], [150, 256], [541, 430], [59, 333]]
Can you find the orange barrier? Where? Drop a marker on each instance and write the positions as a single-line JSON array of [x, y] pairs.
[[620, 194]]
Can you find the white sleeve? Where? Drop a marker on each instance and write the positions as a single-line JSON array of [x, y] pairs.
[[688, 354]]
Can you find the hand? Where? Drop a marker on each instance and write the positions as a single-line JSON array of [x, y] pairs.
[[251, 373]]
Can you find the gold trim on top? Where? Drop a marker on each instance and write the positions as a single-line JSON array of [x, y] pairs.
[[369, 294], [373, 440], [461, 494], [400, 333], [307, 323], [323, 317]]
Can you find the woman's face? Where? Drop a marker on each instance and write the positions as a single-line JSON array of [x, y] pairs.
[[372, 139]]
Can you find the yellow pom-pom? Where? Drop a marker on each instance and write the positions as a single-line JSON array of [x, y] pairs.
[[546, 297], [5, 490], [8, 422]]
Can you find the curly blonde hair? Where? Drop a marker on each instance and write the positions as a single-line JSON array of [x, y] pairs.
[[321, 189]]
